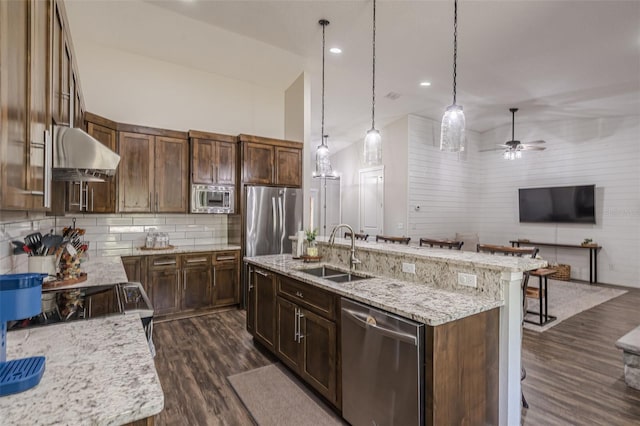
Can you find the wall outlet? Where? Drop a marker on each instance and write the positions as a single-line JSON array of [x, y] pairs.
[[409, 268], [469, 280]]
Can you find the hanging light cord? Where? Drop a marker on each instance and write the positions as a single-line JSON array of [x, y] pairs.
[[373, 86], [455, 47], [324, 23]]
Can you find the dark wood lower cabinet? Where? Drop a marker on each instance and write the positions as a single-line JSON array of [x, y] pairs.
[[187, 284], [264, 284]]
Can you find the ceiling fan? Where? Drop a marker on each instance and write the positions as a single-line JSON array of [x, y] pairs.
[[513, 148]]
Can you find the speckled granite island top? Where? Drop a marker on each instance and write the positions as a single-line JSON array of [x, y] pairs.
[[421, 302], [452, 257], [97, 372]]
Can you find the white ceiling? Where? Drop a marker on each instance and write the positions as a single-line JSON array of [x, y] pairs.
[[552, 59]]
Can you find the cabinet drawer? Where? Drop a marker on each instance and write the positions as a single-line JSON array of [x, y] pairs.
[[320, 301], [196, 259], [221, 257], [164, 262]]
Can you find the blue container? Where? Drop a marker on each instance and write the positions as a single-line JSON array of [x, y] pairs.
[[20, 296]]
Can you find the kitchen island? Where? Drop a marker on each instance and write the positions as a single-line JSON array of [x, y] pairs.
[[473, 325], [98, 372]]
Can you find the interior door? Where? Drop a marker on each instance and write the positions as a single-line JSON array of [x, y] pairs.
[[372, 200]]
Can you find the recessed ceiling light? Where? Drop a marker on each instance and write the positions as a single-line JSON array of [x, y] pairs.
[[335, 50], [425, 83]]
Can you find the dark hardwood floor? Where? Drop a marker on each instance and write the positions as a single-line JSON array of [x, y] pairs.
[[575, 374], [194, 358], [574, 371]]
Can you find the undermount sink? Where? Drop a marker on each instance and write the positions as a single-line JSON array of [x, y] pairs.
[[331, 274], [322, 271]]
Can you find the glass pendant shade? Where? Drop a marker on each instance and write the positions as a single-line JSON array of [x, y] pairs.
[[452, 133], [323, 163], [373, 147]]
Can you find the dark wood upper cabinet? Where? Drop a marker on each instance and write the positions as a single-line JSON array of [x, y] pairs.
[[135, 172], [258, 164], [288, 166], [171, 178], [153, 173], [57, 63], [213, 158], [271, 161]]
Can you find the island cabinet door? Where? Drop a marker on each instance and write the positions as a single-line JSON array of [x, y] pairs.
[[318, 347], [196, 282], [164, 280], [287, 347], [265, 308]]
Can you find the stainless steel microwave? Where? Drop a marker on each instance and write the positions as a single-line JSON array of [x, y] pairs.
[[212, 199]]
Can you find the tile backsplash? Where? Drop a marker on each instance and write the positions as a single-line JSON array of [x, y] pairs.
[[114, 234]]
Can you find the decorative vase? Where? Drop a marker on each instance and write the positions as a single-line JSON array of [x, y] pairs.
[[312, 249]]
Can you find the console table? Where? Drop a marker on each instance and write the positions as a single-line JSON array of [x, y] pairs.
[[593, 253]]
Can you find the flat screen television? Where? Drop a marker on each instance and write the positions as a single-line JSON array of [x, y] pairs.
[[559, 204]]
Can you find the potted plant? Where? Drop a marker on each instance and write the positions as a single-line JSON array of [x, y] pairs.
[[587, 242], [312, 248]]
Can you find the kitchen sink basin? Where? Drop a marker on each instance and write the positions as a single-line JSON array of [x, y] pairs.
[[345, 278], [322, 271], [331, 274]]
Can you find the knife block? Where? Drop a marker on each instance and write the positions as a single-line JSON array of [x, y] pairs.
[[20, 296]]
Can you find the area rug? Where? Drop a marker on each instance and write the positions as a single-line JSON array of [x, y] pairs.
[[274, 397], [566, 299]]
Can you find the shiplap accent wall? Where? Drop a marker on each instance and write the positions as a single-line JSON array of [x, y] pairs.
[[604, 152], [445, 186], [115, 234]]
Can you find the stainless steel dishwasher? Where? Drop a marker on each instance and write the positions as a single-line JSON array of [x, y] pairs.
[[382, 367]]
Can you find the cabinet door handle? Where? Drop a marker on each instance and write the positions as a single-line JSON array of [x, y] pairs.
[[300, 316], [222, 258], [295, 325], [92, 197], [150, 202], [199, 260], [156, 201], [36, 192], [184, 280], [264, 274], [214, 277], [171, 262], [213, 173], [299, 294]]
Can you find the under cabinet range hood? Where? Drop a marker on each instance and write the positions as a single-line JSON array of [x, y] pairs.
[[77, 156]]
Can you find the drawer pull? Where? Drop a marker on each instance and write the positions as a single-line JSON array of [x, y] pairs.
[[172, 262], [264, 274], [299, 294], [226, 258], [200, 260]]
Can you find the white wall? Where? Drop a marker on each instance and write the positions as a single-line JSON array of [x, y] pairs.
[[131, 88], [294, 111], [443, 187], [604, 152]]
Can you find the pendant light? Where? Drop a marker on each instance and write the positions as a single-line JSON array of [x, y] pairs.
[[372, 141], [452, 133], [323, 163]]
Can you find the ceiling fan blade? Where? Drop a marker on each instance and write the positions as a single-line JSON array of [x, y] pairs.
[[491, 150], [538, 141], [501, 145], [533, 148]]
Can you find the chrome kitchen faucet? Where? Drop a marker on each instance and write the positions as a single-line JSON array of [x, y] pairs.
[[353, 261]]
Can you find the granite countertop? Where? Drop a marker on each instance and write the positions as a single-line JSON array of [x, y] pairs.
[[97, 372], [184, 249], [452, 257], [421, 302]]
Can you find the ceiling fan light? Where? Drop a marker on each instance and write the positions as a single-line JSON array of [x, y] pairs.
[[373, 147], [452, 130], [519, 153], [505, 155]]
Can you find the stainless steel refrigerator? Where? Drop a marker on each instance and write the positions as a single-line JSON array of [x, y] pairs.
[[271, 216]]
